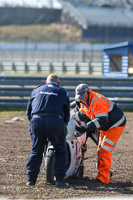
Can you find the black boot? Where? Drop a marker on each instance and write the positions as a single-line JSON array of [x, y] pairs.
[[60, 183], [30, 182]]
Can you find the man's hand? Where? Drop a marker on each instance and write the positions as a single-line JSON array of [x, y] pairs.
[[81, 129]]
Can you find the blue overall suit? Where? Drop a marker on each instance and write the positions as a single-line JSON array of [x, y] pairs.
[[48, 111]]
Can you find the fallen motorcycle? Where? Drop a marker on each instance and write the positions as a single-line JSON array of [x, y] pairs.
[[76, 147]]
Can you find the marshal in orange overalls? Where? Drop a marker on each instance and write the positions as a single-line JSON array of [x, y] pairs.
[[111, 121]]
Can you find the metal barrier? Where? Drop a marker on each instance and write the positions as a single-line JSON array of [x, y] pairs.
[[15, 90]]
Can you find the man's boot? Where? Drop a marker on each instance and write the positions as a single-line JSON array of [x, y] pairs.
[[60, 183], [30, 182]]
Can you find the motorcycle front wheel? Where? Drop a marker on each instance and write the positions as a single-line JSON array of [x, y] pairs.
[[49, 166]]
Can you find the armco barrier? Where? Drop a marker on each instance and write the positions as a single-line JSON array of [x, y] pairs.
[[15, 90]]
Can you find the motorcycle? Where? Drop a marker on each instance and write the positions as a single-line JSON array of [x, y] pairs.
[[76, 147]]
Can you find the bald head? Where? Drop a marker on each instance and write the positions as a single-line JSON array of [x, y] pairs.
[[52, 78]]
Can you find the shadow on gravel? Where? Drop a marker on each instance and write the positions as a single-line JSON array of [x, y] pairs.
[[89, 184]]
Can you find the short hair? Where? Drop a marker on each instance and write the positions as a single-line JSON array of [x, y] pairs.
[[52, 78]]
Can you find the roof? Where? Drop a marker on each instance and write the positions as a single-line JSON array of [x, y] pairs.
[[118, 3], [104, 16], [101, 16], [118, 45]]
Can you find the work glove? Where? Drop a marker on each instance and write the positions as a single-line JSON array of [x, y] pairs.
[[81, 129]]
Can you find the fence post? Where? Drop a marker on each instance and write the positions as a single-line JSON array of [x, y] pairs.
[[90, 70], [77, 68], [26, 67], [1, 67], [51, 67], [64, 67], [13, 67], [38, 67]]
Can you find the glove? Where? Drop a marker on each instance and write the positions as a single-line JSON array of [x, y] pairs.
[[78, 134], [67, 130], [81, 129]]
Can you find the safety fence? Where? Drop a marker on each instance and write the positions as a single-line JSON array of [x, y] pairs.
[[94, 68], [15, 90], [52, 52]]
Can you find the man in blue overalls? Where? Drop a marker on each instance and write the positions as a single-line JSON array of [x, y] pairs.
[[48, 111]]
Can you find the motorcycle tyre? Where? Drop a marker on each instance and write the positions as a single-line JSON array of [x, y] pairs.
[[49, 167], [80, 171]]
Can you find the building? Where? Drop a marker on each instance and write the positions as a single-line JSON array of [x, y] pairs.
[[101, 23], [118, 60]]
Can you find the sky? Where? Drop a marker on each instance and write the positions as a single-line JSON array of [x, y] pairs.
[[31, 3]]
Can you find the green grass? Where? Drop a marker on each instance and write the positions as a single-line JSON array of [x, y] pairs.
[[46, 73], [40, 33], [127, 109], [5, 111], [10, 109]]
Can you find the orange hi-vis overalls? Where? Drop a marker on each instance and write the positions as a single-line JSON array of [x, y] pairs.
[[111, 121]]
